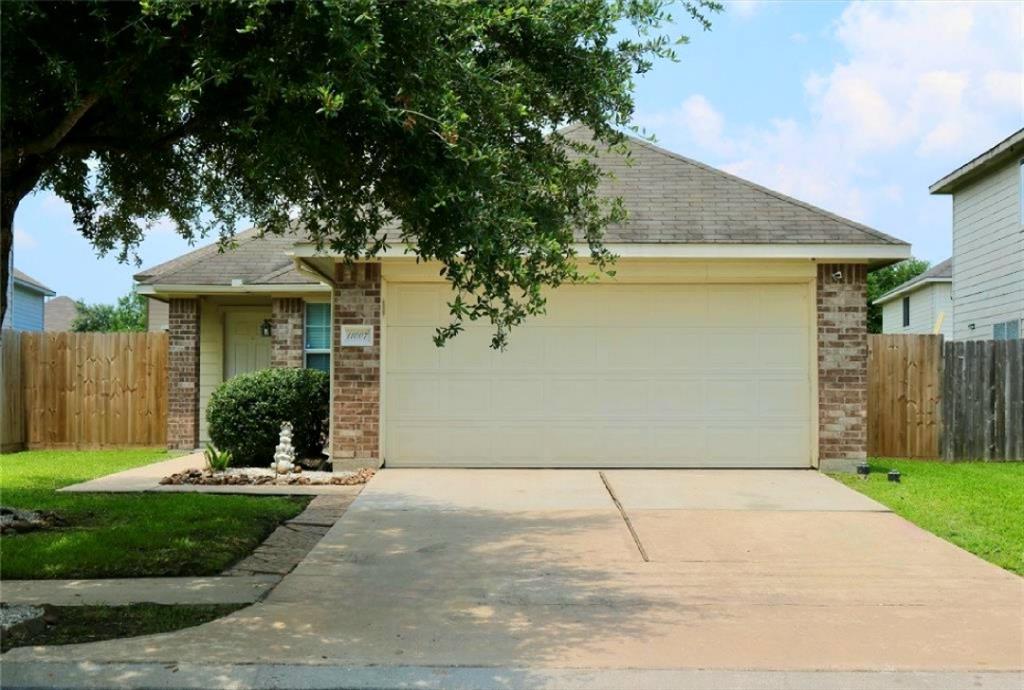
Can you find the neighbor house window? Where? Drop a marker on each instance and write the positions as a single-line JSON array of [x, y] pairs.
[[318, 336], [906, 311], [1007, 330]]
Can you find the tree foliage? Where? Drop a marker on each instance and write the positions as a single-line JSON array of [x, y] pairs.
[[431, 124], [885, 279], [129, 314]]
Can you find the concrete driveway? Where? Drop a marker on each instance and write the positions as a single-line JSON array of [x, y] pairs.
[[524, 576]]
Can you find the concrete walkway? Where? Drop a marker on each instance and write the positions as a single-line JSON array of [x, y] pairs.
[[532, 579], [139, 590]]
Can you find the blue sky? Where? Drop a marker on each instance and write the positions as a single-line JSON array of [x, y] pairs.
[[853, 106]]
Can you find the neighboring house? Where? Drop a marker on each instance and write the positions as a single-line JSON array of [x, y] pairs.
[[734, 334], [25, 309], [921, 303], [988, 242], [60, 313]]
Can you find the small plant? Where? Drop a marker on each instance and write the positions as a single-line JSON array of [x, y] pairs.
[[217, 460]]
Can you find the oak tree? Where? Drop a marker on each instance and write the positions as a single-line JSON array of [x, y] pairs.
[[427, 124]]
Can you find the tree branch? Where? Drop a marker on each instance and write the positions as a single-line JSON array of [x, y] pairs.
[[54, 138]]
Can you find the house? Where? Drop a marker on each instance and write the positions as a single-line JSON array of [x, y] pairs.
[[921, 304], [732, 335], [25, 305], [60, 313], [988, 242]]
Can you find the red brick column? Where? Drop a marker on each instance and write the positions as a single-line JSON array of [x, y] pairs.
[[842, 365], [183, 374], [287, 318], [356, 375]]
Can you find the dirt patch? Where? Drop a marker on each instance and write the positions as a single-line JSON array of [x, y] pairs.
[[19, 521]]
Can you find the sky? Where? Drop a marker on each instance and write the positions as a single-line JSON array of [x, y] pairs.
[[853, 106]]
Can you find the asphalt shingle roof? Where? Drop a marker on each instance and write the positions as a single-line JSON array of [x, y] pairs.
[[671, 199], [674, 199], [31, 282], [256, 260], [940, 271]]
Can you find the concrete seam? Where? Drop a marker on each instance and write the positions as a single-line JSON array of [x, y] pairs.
[[625, 517]]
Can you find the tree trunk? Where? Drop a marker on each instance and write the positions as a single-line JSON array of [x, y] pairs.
[[16, 182], [9, 206]]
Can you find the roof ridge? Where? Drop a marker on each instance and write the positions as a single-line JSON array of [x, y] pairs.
[[765, 190]]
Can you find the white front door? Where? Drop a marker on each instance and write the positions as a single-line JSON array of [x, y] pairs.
[[245, 348], [655, 375]]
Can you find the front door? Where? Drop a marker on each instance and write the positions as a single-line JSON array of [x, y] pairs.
[[245, 349]]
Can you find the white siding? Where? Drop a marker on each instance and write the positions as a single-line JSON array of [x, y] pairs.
[[926, 303], [211, 358], [988, 253]]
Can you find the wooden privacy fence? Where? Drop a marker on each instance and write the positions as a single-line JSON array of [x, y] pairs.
[[961, 400], [87, 390], [983, 405], [12, 394], [904, 395]]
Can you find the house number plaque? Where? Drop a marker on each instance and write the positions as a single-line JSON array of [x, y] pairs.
[[356, 336]]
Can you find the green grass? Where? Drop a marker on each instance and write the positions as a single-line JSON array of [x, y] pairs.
[[975, 505], [125, 535], [71, 624]]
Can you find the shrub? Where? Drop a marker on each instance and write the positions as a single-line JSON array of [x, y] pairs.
[[245, 413]]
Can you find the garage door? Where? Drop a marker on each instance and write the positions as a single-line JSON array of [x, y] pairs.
[[613, 376]]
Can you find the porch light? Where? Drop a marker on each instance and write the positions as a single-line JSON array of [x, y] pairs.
[[265, 328], [894, 476]]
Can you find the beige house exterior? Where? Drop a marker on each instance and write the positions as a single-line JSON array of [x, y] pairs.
[[988, 242], [732, 335], [921, 305]]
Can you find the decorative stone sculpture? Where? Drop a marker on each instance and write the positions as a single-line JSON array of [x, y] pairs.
[[284, 454]]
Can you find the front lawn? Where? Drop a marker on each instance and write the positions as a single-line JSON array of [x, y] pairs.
[[975, 505], [125, 535]]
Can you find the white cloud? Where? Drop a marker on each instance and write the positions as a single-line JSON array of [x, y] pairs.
[[744, 8], [920, 83], [23, 240]]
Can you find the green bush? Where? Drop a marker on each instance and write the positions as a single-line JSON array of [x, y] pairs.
[[245, 413]]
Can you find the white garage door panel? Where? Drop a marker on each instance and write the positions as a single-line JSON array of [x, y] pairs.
[[624, 375]]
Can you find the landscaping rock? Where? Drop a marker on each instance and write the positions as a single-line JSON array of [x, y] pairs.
[[21, 615], [16, 520], [263, 475]]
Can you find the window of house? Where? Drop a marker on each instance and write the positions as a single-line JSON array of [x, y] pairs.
[[1007, 330], [317, 337], [906, 311], [1020, 180]]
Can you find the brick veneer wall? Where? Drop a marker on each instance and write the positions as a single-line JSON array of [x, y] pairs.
[[356, 374], [183, 374], [286, 318], [842, 365]]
